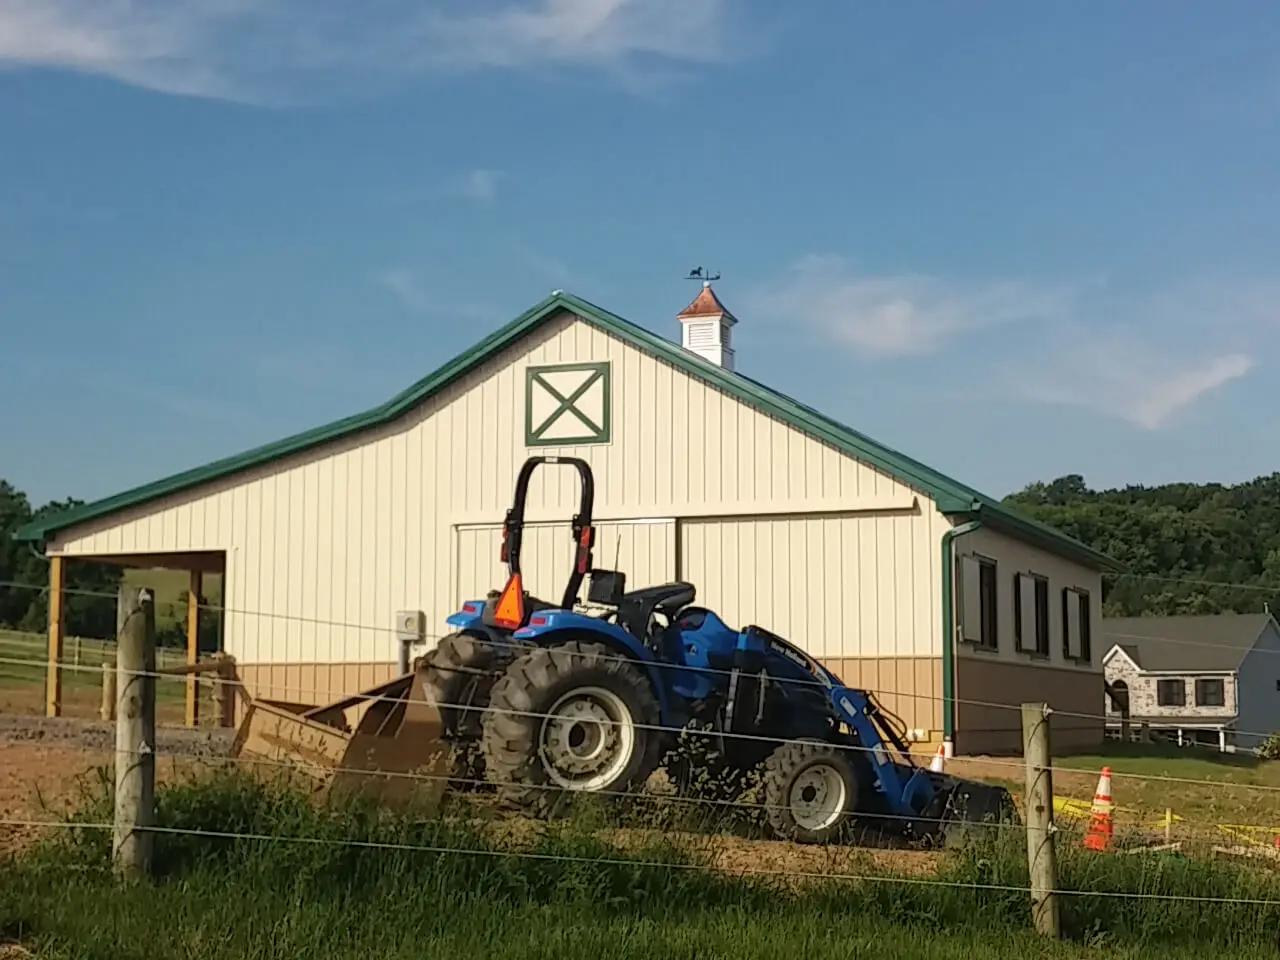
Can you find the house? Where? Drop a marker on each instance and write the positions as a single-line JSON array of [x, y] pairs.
[[953, 607], [1204, 679]]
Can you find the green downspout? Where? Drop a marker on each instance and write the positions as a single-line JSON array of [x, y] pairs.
[[949, 629]]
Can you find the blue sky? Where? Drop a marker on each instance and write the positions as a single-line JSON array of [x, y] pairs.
[[1013, 240]]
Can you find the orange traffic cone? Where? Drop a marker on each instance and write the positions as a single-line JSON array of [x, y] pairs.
[[1100, 826], [939, 760]]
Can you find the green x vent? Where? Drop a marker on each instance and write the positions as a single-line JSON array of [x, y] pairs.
[[567, 404]]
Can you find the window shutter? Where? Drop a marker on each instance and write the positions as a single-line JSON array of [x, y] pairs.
[[1071, 602], [970, 599], [1027, 615]]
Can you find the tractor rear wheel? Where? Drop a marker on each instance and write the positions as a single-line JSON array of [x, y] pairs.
[[570, 719], [457, 676], [811, 790]]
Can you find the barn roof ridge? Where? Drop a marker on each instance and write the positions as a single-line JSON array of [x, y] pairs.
[[952, 497]]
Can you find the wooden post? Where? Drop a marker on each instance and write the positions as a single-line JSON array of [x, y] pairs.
[[193, 646], [53, 672], [224, 694], [108, 709], [1041, 854], [135, 738]]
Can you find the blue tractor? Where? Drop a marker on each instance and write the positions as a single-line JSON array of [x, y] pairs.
[[571, 700]]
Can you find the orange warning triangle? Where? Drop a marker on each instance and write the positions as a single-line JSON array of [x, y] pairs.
[[510, 609]]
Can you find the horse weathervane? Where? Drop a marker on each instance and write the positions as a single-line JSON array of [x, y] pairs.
[[698, 273]]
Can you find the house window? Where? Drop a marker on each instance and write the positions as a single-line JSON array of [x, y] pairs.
[[1076, 636], [978, 619], [1210, 693], [1031, 613], [1171, 693]]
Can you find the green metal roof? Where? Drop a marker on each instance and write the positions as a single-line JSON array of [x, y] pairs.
[[953, 498]]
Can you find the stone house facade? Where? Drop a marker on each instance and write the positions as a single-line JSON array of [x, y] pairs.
[[1212, 680]]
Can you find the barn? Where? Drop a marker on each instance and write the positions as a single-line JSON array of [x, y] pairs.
[[333, 543]]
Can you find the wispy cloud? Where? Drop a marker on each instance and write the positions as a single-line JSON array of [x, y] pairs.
[[266, 51], [482, 185], [415, 295], [1149, 357], [901, 315], [1144, 357], [406, 287], [1126, 377]]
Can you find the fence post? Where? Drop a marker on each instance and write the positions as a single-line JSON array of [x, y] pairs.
[[108, 709], [224, 694], [53, 672], [1041, 854], [195, 585], [135, 738]]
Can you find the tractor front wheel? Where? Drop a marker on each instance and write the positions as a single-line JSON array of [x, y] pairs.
[[573, 718], [810, 791], [457, 676]]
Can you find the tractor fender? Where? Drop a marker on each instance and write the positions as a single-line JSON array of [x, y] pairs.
[[470, 620], [469, 617], [552, 627]]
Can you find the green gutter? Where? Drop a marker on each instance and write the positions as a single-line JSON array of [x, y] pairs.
[[949, 629]]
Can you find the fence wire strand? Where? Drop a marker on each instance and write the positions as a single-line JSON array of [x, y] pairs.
[[706, 733]]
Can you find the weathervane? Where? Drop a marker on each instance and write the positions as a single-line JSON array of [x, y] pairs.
[[697, 273]]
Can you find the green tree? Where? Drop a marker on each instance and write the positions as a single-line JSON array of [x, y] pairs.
[[1188, 548], [15, 510], [89, 606]]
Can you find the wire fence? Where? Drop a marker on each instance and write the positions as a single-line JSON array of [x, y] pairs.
[[914, 697], [82, 655]]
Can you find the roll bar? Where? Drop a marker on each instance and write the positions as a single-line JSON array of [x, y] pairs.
[[510, 610]]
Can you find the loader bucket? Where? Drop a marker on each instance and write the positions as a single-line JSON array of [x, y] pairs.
[[966, 809], [394, 752]]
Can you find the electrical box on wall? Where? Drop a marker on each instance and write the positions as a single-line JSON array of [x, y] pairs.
[[411, 626]]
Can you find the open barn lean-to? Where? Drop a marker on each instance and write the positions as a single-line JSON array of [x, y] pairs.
[[947, 604]]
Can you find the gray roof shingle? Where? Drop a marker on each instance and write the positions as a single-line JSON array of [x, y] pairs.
[[1193, 644]]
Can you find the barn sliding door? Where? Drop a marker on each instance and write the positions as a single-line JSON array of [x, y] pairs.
[[645, 550]]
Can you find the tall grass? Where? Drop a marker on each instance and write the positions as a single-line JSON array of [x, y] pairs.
[[340, 879]]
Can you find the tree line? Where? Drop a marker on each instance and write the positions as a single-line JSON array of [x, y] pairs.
[[1178, 542], [22, 568], [1168, 537]]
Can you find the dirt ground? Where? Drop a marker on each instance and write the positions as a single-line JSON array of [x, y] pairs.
[[50, 766]]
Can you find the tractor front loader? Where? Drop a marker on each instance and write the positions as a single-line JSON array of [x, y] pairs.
[[385, 741]]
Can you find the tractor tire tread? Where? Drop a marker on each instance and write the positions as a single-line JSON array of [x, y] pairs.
[[781, 767], [511, 725], [462, 665]]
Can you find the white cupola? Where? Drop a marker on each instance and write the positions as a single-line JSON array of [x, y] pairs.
[[706, 324]]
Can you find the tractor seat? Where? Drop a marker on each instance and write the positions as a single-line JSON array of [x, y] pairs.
[[667, 597], [637, 607]]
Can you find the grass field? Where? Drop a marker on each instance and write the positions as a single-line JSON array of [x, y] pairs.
[[168, 586], [345, 881], [1206, 789], [22, 684]]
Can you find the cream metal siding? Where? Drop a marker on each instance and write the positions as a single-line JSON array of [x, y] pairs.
[[324, 547], [838, 586], [645, 550]]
